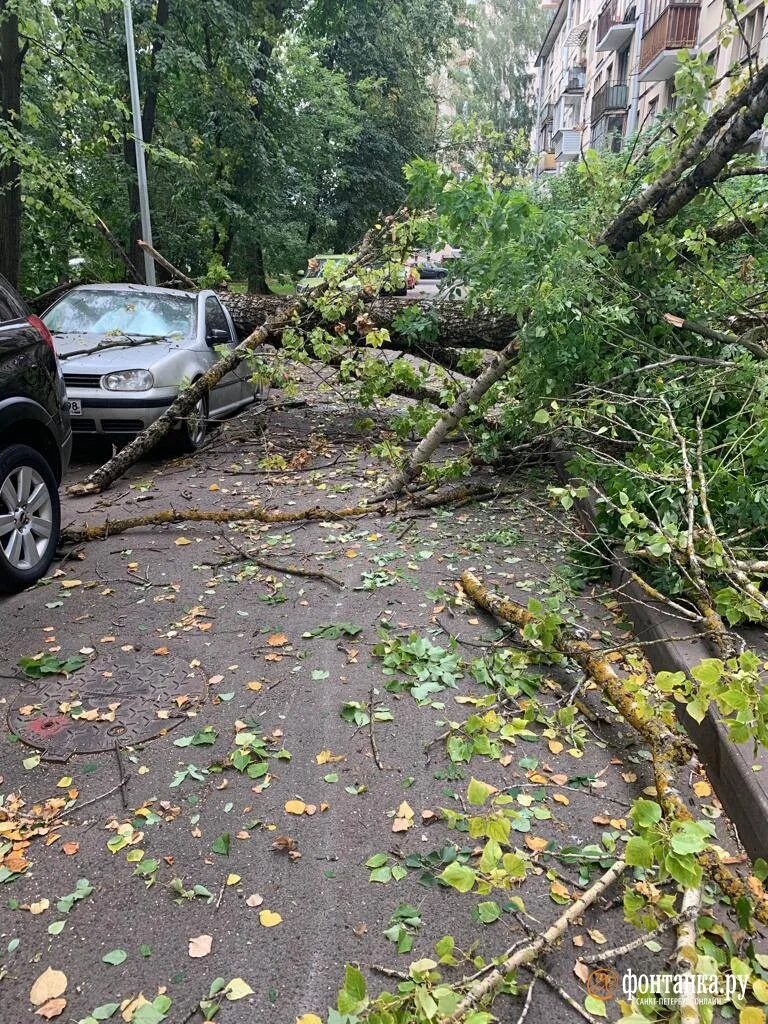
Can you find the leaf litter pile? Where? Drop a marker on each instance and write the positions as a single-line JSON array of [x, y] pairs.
[[384, 789]]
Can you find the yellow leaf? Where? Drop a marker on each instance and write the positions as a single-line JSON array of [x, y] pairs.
[[180, 542], [525, 799], [558, 889], [295, 807], [702, 788], [751, 1015], [233, 879], [68, 584], [535, 843], [326, 757], [50, 985], [277, 640], [561, 798], [268, 918], [64, 782], [256, 686], [38, 908], [596, 936], [308, 1018], [555, 746]]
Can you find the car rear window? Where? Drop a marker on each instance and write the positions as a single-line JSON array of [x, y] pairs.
[[113, 312]]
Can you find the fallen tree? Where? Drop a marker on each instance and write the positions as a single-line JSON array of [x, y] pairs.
[[446, 323]]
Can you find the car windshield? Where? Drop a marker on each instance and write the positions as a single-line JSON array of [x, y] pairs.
[[112, 312], [318, 263]]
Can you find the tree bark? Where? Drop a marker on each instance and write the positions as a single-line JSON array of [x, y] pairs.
[[11, 58], [450, 419], [627, 227], [454, 329]]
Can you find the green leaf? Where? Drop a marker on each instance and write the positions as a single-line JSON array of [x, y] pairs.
[[645, 813], [595, 1006], [115, 957], [221, 845], [105, 1011], [639, 853], [458, 876], [354, 983], [478, 792], [488, 911]]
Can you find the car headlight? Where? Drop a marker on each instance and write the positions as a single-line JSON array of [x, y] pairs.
[[128, 380]]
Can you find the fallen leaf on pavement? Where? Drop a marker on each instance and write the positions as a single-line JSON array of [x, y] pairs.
[[200, 945], [50, 985], [52, 1008]]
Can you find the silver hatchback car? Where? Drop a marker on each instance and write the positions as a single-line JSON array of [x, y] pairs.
[[126, 350]]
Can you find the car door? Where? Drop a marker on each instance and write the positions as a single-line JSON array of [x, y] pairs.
[[243, 369], [228, 392]]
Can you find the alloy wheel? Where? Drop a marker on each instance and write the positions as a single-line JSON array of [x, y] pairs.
[[26, 517]]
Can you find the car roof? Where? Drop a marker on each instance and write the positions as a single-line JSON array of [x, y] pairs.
[[130, 286]]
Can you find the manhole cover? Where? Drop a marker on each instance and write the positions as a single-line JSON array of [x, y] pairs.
[[121, 697]]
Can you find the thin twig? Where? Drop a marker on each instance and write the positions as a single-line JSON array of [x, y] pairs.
[[372, 734], [123, 777], [537, 972], [627, 947]]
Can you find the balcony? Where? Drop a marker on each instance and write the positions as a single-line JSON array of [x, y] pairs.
[[613, 33], [675, 29], [547, 163], [609, 97], [574, 80], [546, 114], [567, 143]]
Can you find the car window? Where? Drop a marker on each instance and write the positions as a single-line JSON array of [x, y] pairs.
[[214, 316], [112, 311]]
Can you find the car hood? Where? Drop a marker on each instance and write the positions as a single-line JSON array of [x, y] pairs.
[[139, 355]]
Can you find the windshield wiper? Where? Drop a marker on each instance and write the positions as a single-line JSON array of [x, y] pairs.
[[124, 342]]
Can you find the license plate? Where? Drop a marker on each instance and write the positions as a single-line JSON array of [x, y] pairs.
[[75, 406]]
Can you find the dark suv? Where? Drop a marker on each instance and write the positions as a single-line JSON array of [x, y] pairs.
[[35, 443]]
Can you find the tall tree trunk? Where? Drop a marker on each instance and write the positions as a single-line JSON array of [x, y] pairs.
[[148, 119], [11, 57], [257, 281]]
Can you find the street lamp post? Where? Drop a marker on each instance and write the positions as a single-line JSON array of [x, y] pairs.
[[138, 136]]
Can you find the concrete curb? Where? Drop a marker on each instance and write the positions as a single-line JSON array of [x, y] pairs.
[[742, 791]]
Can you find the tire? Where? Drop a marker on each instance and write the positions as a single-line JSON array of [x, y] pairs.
[[30, 517], [194, 430]]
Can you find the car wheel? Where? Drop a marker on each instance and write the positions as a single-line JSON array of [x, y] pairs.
[[30, 517], [194, 427]]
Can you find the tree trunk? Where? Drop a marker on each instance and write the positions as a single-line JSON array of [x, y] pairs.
[[257, 280], [453, 328], [11, 58]]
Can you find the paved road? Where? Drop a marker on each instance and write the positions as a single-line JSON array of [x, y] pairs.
[[178, 600]]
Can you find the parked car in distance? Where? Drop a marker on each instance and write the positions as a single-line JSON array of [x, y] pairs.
[[127, 350], [401, 277], [430, 271], [35, 444]]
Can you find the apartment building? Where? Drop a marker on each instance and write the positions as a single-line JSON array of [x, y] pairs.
[[606, 68]]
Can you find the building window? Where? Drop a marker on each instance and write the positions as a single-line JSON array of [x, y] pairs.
[[748, 40]]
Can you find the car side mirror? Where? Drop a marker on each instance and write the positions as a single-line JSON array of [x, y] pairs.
[[217, 336]]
